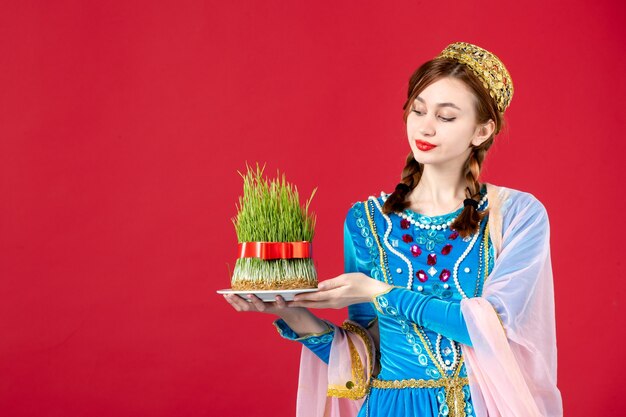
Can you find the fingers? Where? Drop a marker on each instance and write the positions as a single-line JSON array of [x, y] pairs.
[[312, 296], [257, 302], [329, 284], [231, 299], [280, 302], [241, 304], [317, 296]]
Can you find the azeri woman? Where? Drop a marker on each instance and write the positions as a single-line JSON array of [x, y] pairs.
[[448, 281]]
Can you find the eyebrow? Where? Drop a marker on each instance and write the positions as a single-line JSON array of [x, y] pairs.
[[440, 104]]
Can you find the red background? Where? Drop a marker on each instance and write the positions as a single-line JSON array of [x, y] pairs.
[[123, 125]]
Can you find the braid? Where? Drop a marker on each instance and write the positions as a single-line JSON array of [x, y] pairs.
[[468, 221], [411, 174]]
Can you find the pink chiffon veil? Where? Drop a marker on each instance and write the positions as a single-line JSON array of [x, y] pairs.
[[511, 364], [339, 388]]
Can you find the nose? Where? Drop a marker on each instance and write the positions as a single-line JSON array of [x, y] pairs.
[[426, 129]]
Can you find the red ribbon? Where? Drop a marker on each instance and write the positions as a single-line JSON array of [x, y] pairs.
[[275, 250]]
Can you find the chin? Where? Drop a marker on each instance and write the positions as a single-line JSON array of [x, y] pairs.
[[421, 156]]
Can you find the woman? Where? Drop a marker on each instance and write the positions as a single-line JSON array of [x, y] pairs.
[[447, 281]]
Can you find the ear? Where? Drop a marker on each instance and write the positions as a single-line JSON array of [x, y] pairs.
[[484, 132]]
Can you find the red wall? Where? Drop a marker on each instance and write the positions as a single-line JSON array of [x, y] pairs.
[[123, 127]]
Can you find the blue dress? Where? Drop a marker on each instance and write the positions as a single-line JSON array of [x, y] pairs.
[[431, 268]]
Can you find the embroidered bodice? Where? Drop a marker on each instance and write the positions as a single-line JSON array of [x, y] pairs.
[[411, 249]]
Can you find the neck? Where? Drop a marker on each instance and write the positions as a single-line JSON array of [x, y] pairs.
[[440, 190]]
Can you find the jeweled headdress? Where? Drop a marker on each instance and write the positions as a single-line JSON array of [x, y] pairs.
[[488, 67]]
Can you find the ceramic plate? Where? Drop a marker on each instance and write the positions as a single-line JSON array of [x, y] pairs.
[[268, 295]]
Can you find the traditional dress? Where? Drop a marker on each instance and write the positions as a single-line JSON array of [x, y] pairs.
[[466, 330]]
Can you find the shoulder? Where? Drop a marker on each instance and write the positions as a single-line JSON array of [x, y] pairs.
[[524, 199], [362, 211], [520, 208], [357, 208]]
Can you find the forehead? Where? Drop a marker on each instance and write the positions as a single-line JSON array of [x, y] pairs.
[[447, 90]]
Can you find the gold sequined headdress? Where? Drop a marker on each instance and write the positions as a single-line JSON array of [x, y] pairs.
[[488, 67]]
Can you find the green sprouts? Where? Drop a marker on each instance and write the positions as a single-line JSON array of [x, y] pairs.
[[269, 211]]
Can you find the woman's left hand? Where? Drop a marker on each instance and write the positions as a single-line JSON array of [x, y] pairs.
[[342, 291]]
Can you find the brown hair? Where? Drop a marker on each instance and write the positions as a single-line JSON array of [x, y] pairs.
[[486, 108]]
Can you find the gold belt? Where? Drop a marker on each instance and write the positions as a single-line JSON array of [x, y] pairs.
[[455, 397]]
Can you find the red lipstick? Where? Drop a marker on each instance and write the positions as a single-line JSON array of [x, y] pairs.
[[424, 146]]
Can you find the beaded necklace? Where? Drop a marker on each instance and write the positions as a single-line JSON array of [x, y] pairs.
[[408, 215]]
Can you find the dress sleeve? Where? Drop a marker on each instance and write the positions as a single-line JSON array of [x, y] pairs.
[[438, 315], [318, 343], [363, 314]]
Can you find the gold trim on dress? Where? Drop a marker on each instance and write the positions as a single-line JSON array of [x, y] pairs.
[[358, 387], [455, 397], [418, 383], [355, 388]]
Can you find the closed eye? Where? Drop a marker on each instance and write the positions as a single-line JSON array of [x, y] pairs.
[[445, 119]]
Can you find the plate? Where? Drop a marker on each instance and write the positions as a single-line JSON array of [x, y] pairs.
[[268, 296]]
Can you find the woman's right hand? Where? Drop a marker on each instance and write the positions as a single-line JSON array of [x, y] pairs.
[[278, 307], [299, 319]]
